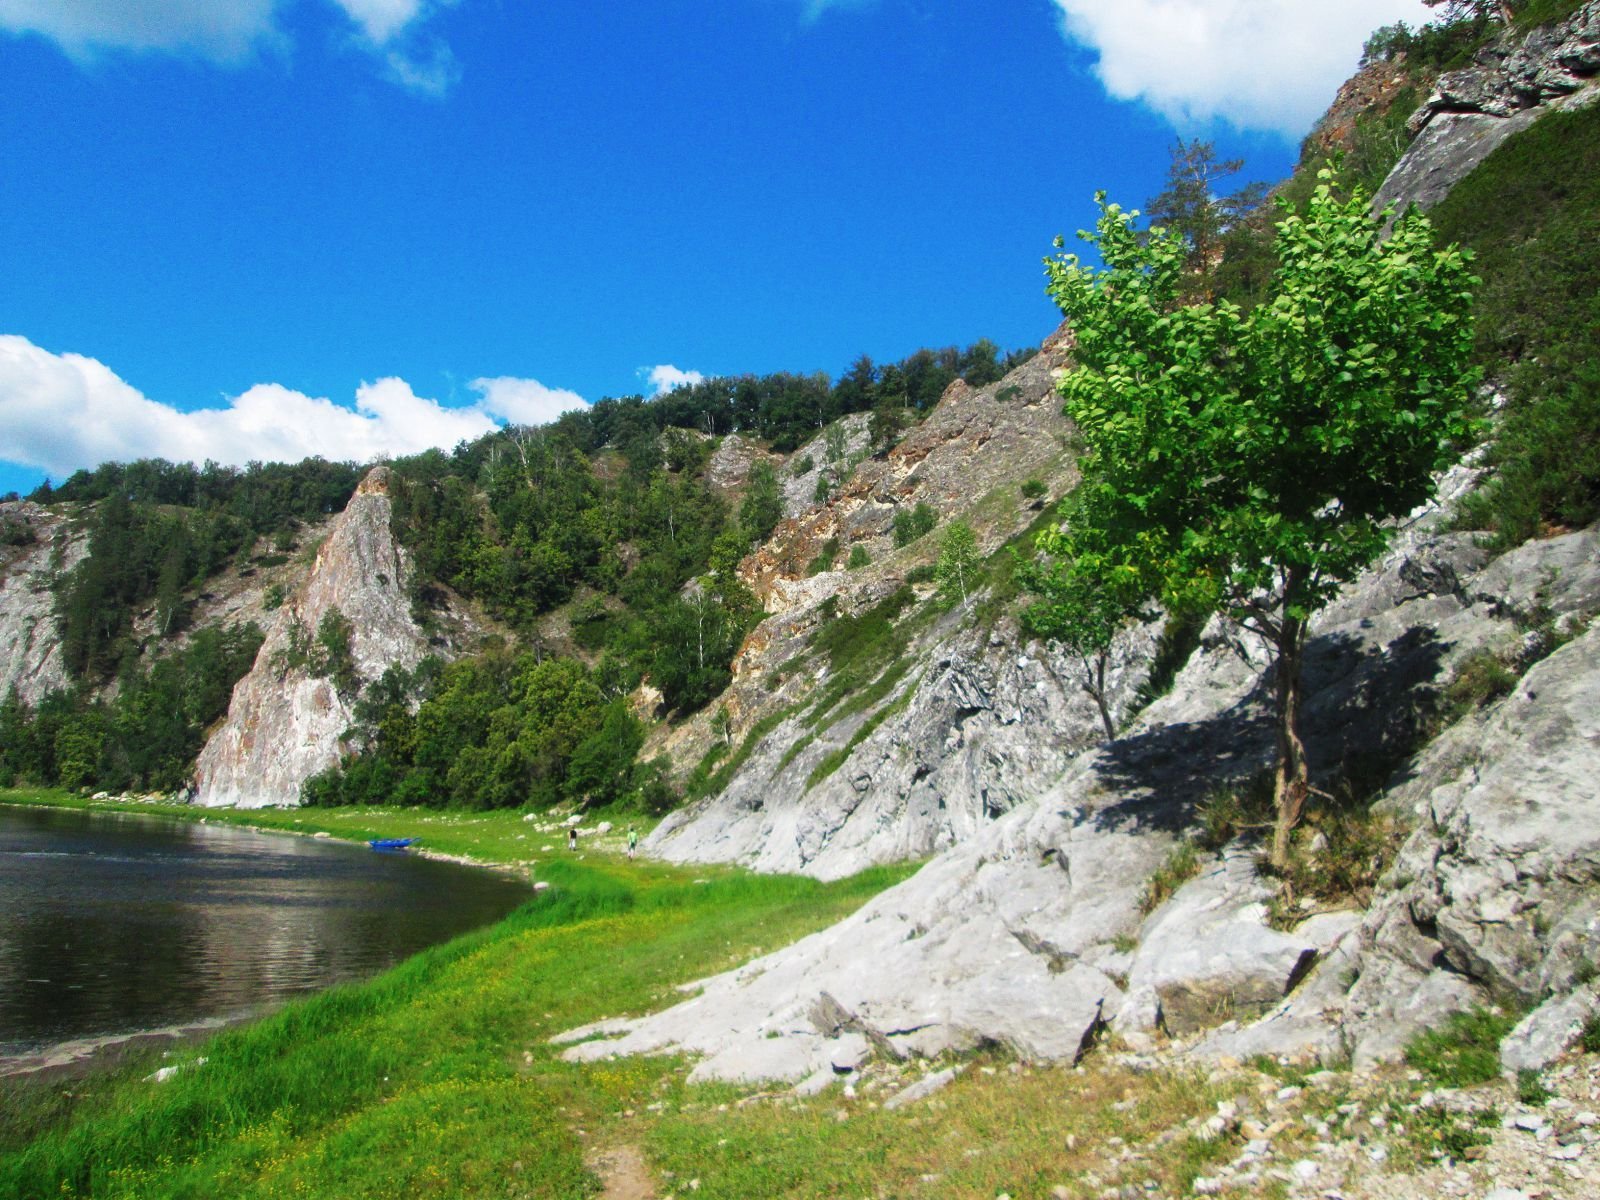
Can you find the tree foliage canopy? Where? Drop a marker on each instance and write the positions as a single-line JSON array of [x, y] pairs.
[[1249, 461]]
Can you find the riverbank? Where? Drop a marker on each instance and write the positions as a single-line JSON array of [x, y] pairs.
[[438, 1079], [500, 839]]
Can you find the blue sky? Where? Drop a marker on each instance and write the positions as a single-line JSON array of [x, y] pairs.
[[268, 228]]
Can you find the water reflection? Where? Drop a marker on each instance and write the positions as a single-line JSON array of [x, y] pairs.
[[112, 922]]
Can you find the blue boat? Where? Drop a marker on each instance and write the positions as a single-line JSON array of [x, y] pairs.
[[392, 843]]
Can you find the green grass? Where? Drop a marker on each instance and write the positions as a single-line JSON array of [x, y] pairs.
[[701, 784], [435, 1079], [1464, 1051], [837, 758], [1180, 866]]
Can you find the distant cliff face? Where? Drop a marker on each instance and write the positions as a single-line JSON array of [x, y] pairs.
[[285, 724], [30, 651]]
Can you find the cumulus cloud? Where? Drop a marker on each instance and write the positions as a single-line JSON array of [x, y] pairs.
[[230, 30], [1259, 64], [524, 401], [60, 412], [666, 377], [223, 31]]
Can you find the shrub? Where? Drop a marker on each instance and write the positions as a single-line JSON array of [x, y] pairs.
[[824, 559], [910, 524], [1182, 865], [1033, 489], [858, 557], [1589, 1039], [1481, 678]]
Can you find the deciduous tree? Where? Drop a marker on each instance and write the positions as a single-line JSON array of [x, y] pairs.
[[1252, 461]]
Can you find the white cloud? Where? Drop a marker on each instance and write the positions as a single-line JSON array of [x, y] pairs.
[[229, 30], [433, 71], [1259, 64], [226, 31], [813, 9], [666, 377], [59, 412], [524, 401], [380, 20]]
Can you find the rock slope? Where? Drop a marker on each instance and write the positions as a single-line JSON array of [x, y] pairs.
[[982, 722], [1473, 111], [1030, 934]]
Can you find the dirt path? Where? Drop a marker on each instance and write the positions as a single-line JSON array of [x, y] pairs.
[[623, 1171]]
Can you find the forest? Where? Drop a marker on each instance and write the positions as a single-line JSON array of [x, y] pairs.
[[606, 512]]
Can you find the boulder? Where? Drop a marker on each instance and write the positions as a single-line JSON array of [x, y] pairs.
[[1208, 954], [1549, 1031]]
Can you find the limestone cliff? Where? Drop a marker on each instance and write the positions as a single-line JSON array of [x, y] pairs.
[[285, 724], [1020, 935], [45, 544]]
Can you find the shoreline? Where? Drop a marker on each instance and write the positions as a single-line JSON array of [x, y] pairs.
[[78, 1057]]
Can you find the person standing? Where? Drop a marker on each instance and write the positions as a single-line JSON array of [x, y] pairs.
[[633, 841], [572, 839]]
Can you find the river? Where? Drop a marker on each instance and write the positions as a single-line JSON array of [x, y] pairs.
[[112, 923]]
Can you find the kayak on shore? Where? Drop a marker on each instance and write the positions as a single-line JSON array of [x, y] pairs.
[[392, 843]]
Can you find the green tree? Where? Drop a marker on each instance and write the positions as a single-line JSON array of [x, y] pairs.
[[1250, 462], [762, 508], [958, 558], [1191, 207], [887, 420], [1080, 605], [1472, 10]]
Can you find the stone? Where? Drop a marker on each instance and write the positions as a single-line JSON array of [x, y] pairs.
[[923, 1088], [30, 650], [1507, 800], [285, 725], [1549, 1031]]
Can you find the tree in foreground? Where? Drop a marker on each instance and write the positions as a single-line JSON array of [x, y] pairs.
[[1249, 462]]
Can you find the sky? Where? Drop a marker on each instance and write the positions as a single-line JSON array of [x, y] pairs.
[[265, 229]]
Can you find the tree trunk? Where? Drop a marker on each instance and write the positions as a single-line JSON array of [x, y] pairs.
[[1095, 684], [1293, 780]]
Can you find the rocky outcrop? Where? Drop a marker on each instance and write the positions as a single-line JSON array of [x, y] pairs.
[[1497, 893], [41, 545], [851, 444], [977, 443], [983, 727], [1030, 933], [285, 724], [1473, 111]]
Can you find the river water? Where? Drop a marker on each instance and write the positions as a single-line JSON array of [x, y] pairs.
[[112, 923]]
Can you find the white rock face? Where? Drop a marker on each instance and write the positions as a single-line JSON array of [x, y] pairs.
[[30, 650], [284, 726], [1001, 939], [1495, 892], [1017, 935], [965, 740]]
